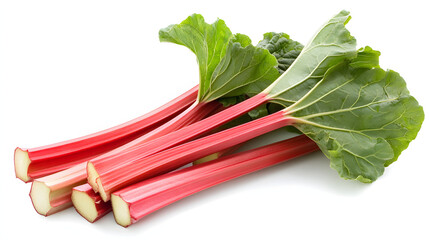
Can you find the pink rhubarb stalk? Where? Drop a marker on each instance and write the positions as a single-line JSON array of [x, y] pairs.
[[138, 169], [89, 204], [51, 194], [41, 161], [44, 193], [109, 168], [193, 114], [136, 201]]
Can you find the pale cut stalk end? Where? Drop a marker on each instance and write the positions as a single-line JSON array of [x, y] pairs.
[[22, 162], [102, 192], [84, 205], [92, 176], [121, 211], [41, 195]]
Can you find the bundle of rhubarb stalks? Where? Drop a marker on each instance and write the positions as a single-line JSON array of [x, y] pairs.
[[333, 95]]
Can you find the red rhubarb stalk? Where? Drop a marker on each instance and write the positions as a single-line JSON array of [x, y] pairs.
[[193, 114], [51, 194], [111, 167], [89, 204], [44, 191], [136, 201], [138, 169], [41, 161]]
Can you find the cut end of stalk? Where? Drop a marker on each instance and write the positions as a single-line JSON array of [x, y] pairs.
[[92, 176], [84, 205], [101, 191], [39, 195], [121, 211], [47, 202], [22, 162]]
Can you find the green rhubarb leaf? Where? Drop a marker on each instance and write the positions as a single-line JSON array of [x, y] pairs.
[[282, 47], [244, 40], [207, 41], [243, 67], [331, 45], [229, 101], [258, 112], [361, 116], [284, 50], [229, 65]]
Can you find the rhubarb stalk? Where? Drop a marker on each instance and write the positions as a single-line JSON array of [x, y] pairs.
[[98, 168], [193, 114], [137, 169], [44, 191], [51, 194], [136, 201], [41, 161], [89, 204]]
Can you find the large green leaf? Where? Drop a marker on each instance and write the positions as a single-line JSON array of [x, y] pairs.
[[282, 47], [361, 116], [230, 65], [285, 50], [331, 45], [207, 41], [243, 67]]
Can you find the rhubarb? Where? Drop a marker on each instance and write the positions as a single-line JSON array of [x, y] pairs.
[[45, 191], [52, 193], [361, 116], [331, 45], [231, 70], [89, 204], [42, 161], [136, 201], [342, 102]]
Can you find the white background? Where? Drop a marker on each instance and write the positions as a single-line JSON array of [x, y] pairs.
[[69, 68]]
